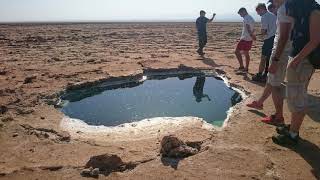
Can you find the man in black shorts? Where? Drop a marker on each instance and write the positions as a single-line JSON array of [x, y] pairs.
[[268, 30], [202, 30]]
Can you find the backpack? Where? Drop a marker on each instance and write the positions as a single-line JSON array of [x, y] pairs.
[[301, 10]]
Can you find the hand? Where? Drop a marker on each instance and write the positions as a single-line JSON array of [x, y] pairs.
[[254, 37], [294, 63], [273, 67]]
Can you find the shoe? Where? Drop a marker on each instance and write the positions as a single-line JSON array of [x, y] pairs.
[[264, 79], [257, 77], [255, 105], [240, 69], [285, 139], [283, 129], [273, 121], [201, 53]]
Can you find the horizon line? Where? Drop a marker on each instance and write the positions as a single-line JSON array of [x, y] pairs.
[[112, 21]]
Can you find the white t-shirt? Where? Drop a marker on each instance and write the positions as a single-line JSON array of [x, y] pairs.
[[247, 20], [268, 22], [283, 18]]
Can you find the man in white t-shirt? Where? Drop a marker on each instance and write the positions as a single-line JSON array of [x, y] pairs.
[[268, 30], [278, 64], [247, 37]]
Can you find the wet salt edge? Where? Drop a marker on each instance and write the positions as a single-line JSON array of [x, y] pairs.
[[146, 128]]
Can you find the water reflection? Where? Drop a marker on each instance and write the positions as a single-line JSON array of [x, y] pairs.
[[198, 89]]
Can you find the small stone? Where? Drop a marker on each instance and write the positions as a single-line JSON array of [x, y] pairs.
[[15, 135], [95, 172], [6, 119], [42, 117], [3, 72], [1, 125], [29, 79], [56, 59], [86, 172], [64, 136], [3, 109]]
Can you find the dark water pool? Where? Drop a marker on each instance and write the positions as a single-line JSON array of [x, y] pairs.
[[159, 96]]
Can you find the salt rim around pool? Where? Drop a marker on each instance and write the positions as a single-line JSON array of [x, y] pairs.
[[145, 128]]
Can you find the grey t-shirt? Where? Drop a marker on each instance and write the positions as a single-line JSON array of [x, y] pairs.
[[268, 23]]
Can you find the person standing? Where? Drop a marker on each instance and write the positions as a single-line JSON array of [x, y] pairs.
[[247, 37], [268, 30], [304, 58], [201, 24], [278, 65]]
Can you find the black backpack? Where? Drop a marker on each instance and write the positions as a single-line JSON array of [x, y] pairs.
[[301, 10]]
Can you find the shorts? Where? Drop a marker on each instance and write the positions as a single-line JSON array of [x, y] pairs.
[[202, 40], [298, 81], [267, 47], [277, 78], [244, 45]]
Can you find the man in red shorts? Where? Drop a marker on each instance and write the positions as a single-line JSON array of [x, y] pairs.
[[247, 37]]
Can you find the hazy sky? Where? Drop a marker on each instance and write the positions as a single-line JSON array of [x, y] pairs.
[[120, 10]]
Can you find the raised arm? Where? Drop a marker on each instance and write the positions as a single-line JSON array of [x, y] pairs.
[[210, 20]]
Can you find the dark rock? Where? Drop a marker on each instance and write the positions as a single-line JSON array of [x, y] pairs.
[[15, 134], [168, 143], [182, 151], [29, 79], [64, 136], [56, 59], [173, 147], [3, 72], [105, 162], [51, 168], [1, 125], [3, 109]]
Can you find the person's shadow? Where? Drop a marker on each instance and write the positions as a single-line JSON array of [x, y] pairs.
[[314, 109], [310, 153], [172, 162]]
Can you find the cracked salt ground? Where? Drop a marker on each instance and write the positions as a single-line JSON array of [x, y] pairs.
[[191, 95]]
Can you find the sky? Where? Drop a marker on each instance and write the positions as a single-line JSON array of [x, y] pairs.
[[121, 10]]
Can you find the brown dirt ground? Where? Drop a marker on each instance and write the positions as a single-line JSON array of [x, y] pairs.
[[57, 56]]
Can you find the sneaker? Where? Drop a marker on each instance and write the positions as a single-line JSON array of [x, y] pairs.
[[257, 77], [283, 129], [272, 120], [285, 139], [255, 105], [201, 53]]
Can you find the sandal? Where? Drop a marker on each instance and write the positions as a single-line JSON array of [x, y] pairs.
[[273, 121]]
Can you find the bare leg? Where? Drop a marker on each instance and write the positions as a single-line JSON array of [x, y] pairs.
[[239, 57], [247, 57], [266, 93], [262, 64], [296, 121], [277, 101]]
